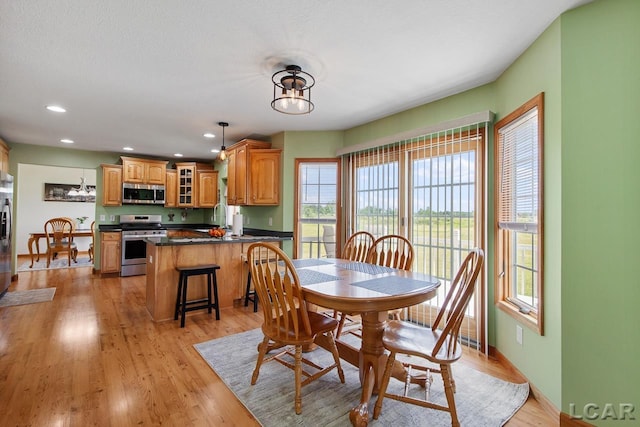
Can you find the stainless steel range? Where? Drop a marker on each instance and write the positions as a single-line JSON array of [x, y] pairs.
[[134, 249]]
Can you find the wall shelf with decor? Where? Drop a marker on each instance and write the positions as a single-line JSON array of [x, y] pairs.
[[60, 193]]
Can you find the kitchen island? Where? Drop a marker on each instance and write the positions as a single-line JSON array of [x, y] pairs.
[[193, 248]]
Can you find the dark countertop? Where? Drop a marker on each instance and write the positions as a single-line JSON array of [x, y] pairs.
[[279, 235], [178, 241]]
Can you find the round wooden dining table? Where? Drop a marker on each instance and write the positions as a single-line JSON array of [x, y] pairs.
[[371, 291]]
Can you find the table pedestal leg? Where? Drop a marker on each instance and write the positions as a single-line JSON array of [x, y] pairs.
[[372, 361]]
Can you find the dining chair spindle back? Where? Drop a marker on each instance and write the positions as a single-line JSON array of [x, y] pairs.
[[392, 251], [355, 249], [357, 246]]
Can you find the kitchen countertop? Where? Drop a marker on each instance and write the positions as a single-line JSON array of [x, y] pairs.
[[177, 241], [250, 233]]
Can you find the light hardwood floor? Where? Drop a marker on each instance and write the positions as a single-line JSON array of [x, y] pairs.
[[92, 356]]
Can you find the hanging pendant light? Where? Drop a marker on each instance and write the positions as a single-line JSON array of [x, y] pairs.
[[223, 150], [292, 91]]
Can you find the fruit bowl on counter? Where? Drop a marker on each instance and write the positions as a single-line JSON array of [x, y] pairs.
[[217, 232]]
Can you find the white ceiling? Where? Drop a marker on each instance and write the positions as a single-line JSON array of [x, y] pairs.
[[157, 74]]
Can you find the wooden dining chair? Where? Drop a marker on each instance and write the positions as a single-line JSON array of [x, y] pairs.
[[439, 344], [355, 249], [287, 321], [93, 241], [59, 239], [357, 246], [392, 251]]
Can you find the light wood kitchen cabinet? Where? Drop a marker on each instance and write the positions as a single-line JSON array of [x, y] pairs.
[[264, 177], [207, 188], [170, 192], [110, 248], [250, 175], [144, 171], [4, 156], [188, 183], [111, 185], [236, 188]]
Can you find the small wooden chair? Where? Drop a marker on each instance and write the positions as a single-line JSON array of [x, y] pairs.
[[59, 239], [440, 347], [287, 322]]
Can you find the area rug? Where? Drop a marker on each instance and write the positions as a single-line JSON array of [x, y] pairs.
[[481, 400], [31, 296], [56, 263]]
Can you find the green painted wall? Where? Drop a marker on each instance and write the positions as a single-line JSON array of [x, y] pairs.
[[295, 145], [601, 201], [539, 70], [453, 107]]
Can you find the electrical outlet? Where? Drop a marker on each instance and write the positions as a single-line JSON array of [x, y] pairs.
[[212, 218], [270, 221], [112, 218], [246, 220], [519, 334], [103, 218]]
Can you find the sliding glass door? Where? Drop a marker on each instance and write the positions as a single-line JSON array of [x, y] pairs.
[[429, 190]]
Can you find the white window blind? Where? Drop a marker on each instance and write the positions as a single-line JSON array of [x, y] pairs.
[[428, 188], [518, 167]]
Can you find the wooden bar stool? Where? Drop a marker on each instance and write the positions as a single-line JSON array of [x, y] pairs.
[[182, 305], [250, 294]]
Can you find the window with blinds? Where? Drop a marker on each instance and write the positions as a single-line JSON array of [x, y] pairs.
[[518, 159], [429, 189]]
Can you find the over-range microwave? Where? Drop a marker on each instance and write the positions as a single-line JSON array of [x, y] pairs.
[[137, 194]]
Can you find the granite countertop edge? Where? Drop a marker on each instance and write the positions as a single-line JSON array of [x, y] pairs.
[[255, 234], [166, 241]]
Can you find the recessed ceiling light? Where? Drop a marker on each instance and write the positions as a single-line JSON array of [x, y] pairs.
[[56, 109], [127, 148], [67, 141], [215, 150], [209, 135], [177, 155]]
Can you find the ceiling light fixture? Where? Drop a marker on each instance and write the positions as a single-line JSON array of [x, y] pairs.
[[223, 150], [66, 141], [209, 135], [56, 109], [292, 91], [83, 190]]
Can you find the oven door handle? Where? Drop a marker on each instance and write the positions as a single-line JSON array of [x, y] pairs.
[[133, 237], [139, 237]]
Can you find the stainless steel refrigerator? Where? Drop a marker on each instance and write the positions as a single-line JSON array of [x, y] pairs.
[[6, 225]]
